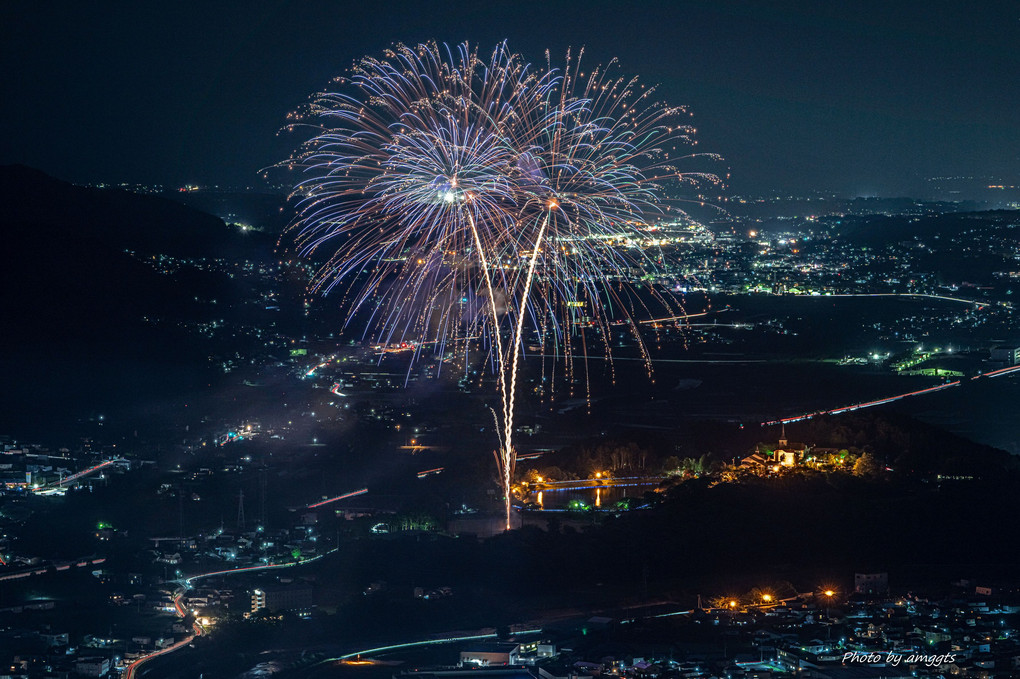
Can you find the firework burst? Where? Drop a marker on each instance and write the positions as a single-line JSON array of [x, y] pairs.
[[466, 198]]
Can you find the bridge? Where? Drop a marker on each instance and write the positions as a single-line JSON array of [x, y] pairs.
[[599, 482], [69, 480]]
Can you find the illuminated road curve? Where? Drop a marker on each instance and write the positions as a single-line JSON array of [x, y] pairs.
[[423, 642], [189, 580], [197, 630], [492, 635], [185, 586]]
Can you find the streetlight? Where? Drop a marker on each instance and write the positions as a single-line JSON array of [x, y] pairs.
[[766, 598], [828, 614]]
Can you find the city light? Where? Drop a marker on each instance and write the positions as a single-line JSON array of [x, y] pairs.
[[509, 293]]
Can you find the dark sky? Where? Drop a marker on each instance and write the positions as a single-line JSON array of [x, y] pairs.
[[856, 97]]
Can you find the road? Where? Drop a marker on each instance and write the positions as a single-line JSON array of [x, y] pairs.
[[185, 585], [79, 475], [197, 630], [921, 295], [1002, 372], [861, 406]]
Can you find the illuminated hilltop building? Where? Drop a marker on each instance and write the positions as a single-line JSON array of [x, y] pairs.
[[788, 454], [773, 457]]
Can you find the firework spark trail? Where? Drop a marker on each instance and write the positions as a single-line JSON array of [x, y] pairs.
[[509, 454], [499, 343], [436, 177]]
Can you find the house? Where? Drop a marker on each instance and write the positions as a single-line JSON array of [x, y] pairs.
[[782, 454], [296, 599], [491, 653], [95, 666], [756, 462], [871, 583]]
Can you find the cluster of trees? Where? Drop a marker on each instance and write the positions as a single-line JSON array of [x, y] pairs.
[[413, 520], [690, 466], [864, 445], [616, 459], [906, 445], [609, 458], [765, 594]]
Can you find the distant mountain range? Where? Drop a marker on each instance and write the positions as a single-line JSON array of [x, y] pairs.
[[88, 319], [67, 273], [37, 206]]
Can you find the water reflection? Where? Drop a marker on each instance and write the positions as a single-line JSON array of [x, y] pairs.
[[596, 497]]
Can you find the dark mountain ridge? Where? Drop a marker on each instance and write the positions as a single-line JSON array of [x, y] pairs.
[[73, 265], [42, 209], [81, 293]]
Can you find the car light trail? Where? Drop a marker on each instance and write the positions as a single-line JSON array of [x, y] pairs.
[[85, 472], [424, 642], [529, 456], [999, 373], [861, 406], [981, 304], [682, 317], [338, 497]]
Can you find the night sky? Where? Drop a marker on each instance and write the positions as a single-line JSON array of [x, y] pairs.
[[861, 98]]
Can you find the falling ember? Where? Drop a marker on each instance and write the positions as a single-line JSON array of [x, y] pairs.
[[462, 198]]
